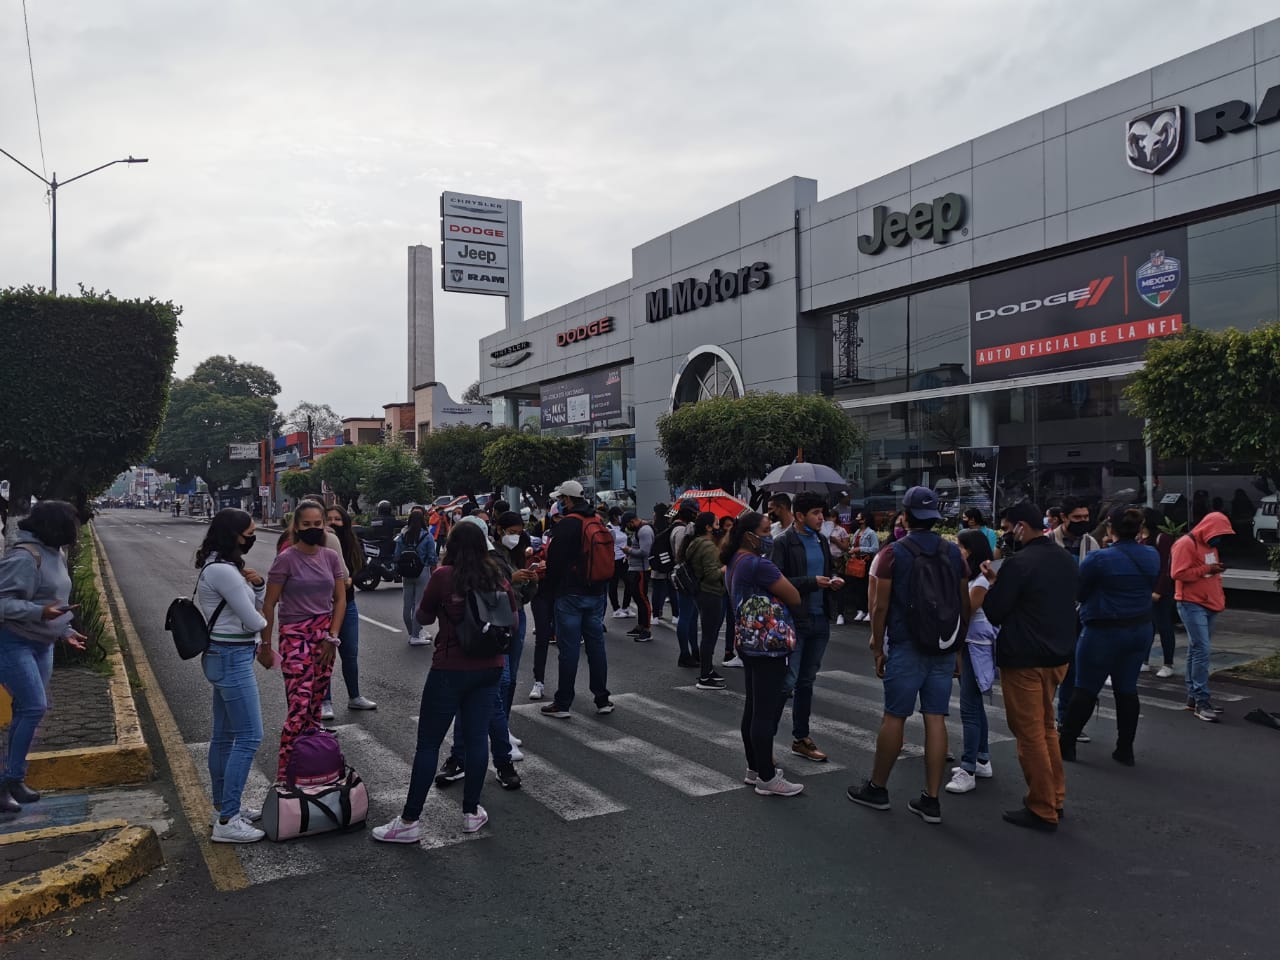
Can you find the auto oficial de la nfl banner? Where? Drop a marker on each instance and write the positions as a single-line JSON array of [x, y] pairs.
[[1096, 307]]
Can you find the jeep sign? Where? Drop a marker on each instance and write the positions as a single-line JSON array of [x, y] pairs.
[[484, 254], [933, 221]]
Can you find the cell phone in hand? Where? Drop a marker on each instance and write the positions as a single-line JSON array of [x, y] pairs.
[[995, 565]]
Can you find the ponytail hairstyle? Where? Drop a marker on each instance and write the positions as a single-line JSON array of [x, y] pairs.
[[223, 537], [748, 523], [1126, 524]]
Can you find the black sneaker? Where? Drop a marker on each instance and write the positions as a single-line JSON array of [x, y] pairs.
[[927, 808], [451, 771], [688, 661], [603, 708], [643, 637], [1211, 707], [635, 630], [710, 683], [554, 709], [869, 795], [507, 776], [1025, 818]]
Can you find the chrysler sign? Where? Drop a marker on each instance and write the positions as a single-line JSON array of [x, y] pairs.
[[512, 355], [691, 294]]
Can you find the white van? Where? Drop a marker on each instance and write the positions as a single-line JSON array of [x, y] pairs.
[[1266, 521]]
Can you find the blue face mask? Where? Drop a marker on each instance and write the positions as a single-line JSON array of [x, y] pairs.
[[766, 546]]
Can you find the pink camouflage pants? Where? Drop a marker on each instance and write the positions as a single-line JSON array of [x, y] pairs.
[[305, 680]]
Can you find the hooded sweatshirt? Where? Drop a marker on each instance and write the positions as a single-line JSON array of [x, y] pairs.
[[1192, 579], [27, 587]]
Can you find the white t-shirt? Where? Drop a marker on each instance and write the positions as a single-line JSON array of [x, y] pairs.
[[978, 616], [619, 541]]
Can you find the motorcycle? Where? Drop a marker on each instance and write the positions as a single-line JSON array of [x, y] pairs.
[[377, 567]]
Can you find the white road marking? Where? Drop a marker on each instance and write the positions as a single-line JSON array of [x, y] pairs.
[[691, 779], [565, 796], [182, 541], [379, 623]]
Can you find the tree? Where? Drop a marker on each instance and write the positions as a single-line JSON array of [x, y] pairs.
[[536, 464], [346, 471], [395, 474], [298, 483], [723, 441], [1211, 396], [452, 457], [221, 403], [473, 395], [321, 418], [83, 386]]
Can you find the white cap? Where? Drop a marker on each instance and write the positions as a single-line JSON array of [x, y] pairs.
[[570, 488], [476, 521]]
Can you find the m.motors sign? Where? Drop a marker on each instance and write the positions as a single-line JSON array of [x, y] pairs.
[[1095, 307]]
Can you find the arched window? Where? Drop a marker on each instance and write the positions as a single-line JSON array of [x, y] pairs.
[[706, 374]]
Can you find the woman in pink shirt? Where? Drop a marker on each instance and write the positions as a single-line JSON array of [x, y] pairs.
[[308, 582]]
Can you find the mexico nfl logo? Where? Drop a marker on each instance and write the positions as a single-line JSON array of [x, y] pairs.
[[1158, 278]]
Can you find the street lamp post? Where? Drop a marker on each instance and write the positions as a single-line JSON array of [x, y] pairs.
[[53, 186]]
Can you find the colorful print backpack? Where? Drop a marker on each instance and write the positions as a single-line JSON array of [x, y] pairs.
[[764, 627]]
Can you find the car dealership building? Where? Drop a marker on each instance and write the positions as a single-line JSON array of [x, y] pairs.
[[998, 294]]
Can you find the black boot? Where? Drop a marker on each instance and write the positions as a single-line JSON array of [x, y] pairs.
[[21, 792], [1126, 726], [1079, 710], [7, 803]]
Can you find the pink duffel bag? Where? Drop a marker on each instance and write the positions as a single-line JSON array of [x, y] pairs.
[[304, 811]]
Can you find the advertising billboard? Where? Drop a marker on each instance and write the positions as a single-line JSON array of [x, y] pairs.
[[1090, 308], [591, 398], [482, 248]]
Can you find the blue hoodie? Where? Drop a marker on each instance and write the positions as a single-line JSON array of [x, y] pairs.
[[27, 588]]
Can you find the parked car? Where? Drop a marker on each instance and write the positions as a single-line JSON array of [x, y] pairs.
[[1266, 521]]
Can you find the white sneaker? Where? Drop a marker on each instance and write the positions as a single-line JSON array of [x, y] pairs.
[[516, 754], [397, 831], [840, 620], [984, 771], [1107, 681], [962, 781], [675, 621], [326, 710], [779, 786], [362, 703], [252, 814], [236, 830], [471, 822], [1164, 671], [621, 613], [752, 778], [537, 691], [733, 661], [1145, 668], [514, 740], [419, 639]]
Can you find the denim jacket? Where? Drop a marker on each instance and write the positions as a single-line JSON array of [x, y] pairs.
[[26, 589]]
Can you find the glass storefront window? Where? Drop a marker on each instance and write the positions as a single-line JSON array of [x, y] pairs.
[[1235, 270]]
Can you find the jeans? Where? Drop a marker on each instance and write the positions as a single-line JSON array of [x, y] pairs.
[[446, 692], [25, 669], [687, 628], [237, 721], [579, 622], [1115, 652], [637, 580], [973, 717], [543, 606], [711, 610], [347, 653], [764, 677], [498, 732], [1162, 627], [512, 674], [413, 589], [805, 661], [1069, 682], [662, 589], [1199, 623]]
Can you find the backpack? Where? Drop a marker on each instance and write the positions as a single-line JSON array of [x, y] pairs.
[[316, 759], [933, 615], [661, 557], [409, 564], [597, 550], [488, 624], [186, 622]]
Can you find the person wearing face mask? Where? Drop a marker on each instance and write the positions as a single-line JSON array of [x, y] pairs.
[[230, 595], [781, 515], [308, 582], [862, 547], [1073, 535], [35, 613], [1196, 567], [353, 557], [416, 541], [900, 528], [1033, 601]]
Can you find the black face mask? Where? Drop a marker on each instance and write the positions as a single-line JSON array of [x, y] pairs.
[[249, 541], [1078, 528], [1216, 542], [312, 536]]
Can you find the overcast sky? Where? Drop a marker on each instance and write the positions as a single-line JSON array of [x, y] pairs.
[[297, 147]]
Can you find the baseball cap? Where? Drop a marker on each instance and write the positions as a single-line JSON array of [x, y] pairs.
[[921, 503], [482, 525], [570, 488], [1025, 512]]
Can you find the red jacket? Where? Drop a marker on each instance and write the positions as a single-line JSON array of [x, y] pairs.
[[1193, 581]]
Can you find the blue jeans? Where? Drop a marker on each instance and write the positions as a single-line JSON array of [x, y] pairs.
[[1162, 626], [499, 731], [973, 717], [687, 628], [1199, 623], [512, 675], [237, 721], [348, 651], [413, 589], [579, 622], [812, 636], [446, 692], [1115, 652], [25, 669]]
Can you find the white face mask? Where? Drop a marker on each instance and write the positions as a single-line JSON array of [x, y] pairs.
[[511, 540]]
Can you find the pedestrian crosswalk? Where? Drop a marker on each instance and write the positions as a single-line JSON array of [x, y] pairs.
[[683, 741]]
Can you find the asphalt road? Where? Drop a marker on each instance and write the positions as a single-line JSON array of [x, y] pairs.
[[635, 838]]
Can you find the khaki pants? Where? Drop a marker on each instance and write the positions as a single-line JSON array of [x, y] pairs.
[[1028, 704]]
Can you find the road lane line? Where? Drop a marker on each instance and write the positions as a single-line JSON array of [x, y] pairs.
[[564, 795], [379, 623], [691, 779], [182, 541]]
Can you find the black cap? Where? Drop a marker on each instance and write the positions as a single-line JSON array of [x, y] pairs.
[[627, 517], [510, 519], [1026, 512]]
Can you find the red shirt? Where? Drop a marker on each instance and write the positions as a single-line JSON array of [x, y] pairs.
[[440, 602]]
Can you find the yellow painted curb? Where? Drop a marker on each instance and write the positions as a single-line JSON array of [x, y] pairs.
[[128, 760], [70, 830], [116, 861]]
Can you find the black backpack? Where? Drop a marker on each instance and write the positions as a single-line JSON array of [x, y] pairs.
[[661, 557], [409, 564], [933, 615], [488, 624], [187, 624]]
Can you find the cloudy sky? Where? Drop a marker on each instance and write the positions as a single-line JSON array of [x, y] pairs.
[[298, 146]]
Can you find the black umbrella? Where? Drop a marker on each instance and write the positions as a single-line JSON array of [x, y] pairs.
[[799, 476]]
